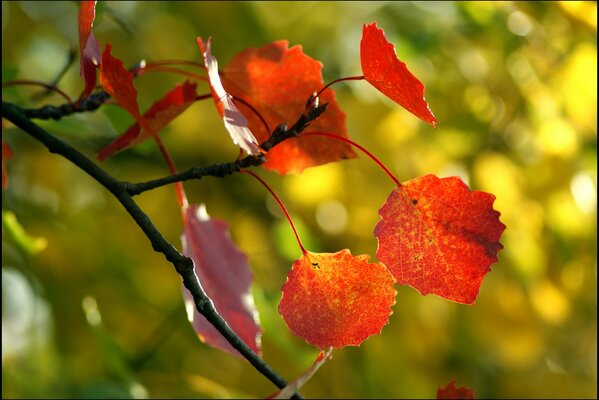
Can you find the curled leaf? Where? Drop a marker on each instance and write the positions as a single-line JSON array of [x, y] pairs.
[[439, 237], [160, 114], [277, 81], [224, 273], [89, 48], [388, 74], [235, 122], [337, 299]]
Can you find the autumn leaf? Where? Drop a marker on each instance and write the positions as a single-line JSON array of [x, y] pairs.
[[160, 114], [277, 81], [225, 276], [294, 386], [453, 392], [388, 74], [118, 82], [336, 299], [439, 237], [235, 122], [89, 48]]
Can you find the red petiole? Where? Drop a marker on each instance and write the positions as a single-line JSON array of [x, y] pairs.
[[299, 242], [356, 145]]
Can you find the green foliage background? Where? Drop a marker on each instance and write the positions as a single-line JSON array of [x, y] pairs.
[[89, 310]]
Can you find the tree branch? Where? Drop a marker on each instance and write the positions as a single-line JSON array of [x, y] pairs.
[[123, 192]]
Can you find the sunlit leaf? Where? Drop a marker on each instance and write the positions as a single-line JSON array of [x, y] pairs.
[[337, 299], [277, 81], [225, 276], [387, 73], [235, 122], [439, 237]]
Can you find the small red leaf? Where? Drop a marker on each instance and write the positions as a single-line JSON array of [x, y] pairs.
[[235, 122], [277, 81], [118, 82], [160, 114], [337, 299], [225, 276], [294, 386], [439, 237], [453, 392], [89, 48], [388, 74]]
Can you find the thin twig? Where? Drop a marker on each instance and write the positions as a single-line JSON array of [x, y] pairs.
[[183, 265]]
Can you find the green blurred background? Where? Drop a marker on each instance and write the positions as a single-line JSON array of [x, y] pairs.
[[89, 310]]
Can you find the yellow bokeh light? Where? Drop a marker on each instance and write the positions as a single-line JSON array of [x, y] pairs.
[[314, 184], [396, 128], [557, 137], [577, 84], [550, 303], [585, 11]]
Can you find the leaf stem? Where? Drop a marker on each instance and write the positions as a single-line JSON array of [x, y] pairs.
[[251, 107], [347, 78], [38, 83], [299, 242], [183, 265], [356, 145]]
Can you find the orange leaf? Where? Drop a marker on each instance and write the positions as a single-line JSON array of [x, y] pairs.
[[277, 81], [439, 237], [387, 73], [224, 273], [160, 114], [89, 48], [453, 392], [235, 122], [336, 299]]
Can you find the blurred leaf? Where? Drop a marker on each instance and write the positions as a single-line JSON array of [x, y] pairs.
[[14, 230], [225, 276]]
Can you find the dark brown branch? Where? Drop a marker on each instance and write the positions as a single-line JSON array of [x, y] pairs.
[[120, 190]]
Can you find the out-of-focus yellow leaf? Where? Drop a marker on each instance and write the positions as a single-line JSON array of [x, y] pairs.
[[29, 244]]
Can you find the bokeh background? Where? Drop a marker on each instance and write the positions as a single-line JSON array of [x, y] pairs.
[[89, 310]]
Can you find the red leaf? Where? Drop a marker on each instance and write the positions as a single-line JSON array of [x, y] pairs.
[[294, 386], [388, 74], [336, 299], [89, 48], [118, 82], [235, 122], [439, 237], [453, 392], [277, 81], [160, 114], [224, 273]]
